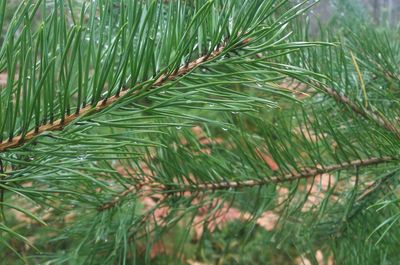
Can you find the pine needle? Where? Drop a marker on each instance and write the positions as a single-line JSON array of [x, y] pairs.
[[360, 78]]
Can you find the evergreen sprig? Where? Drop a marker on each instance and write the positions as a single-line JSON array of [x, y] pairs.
[[123, 123]]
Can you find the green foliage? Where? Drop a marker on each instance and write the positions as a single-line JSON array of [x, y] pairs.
[[214, 131]]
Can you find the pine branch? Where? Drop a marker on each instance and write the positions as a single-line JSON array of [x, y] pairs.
[[377, 118], [303, 174], [102, 104]]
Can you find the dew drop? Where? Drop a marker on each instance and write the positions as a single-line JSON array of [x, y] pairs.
[[82, 157], [225, 129], [178, 127]]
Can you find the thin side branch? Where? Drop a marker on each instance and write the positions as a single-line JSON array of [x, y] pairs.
[[377, 118], [304, 174], [102, 104]]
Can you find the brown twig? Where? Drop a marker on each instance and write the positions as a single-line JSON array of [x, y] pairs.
[[102, 104], [303, 174], [367, 114]]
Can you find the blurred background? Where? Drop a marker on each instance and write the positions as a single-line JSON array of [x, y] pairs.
[[381, 11]]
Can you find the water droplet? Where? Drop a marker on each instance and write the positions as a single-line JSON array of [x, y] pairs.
[[178, 127], [82, 157], [225, 129], [211, 105], [28, 77], [235, 112]]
